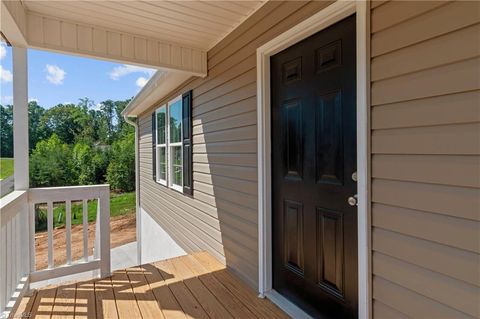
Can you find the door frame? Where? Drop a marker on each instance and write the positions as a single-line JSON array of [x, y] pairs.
[[319, 21]]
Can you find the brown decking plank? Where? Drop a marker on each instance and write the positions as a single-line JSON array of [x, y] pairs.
[[24, 308], [126, 302], [105, 299], [85, 307], [206, 299], [248, 296], [43, 305], [185, 298], [208, 261], [229, 300], [240, 289], [166, 300], [146, 301], [64, 306]]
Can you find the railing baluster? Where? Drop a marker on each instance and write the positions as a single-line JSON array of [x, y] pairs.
[[96, 245], [3, 263], [68, 225], [85, 229], [104, 233], [50, 233], [8, 269], [32, 237]]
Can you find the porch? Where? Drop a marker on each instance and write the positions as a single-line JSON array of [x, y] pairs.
[[191, 286]]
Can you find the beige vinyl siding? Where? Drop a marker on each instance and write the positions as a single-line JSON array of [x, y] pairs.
[[222, 215], [425, 142]]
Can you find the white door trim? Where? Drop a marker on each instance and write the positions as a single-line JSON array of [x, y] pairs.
[[321, 20]]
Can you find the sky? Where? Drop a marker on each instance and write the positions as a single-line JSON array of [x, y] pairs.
[[57, 78]]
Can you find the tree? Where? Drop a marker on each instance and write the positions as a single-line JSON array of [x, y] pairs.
[[51, 164], [90, 163], [109, 119], [122, 126], [82, 156], [6, 131], [36, 131], [68, 122], [121, 170], [76, 144]]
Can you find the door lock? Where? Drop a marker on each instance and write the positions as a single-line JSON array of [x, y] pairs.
[[353, 200], [354, 176]]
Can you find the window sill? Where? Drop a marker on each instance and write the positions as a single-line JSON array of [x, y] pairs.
[[177, 189]]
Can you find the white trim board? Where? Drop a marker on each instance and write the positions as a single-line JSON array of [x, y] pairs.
[[321, 20]]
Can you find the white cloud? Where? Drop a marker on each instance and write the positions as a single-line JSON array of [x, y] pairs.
[[5, 75], [3, 50], [141, 81], [126, 69], [6, 99], [55, 75], [32, 99]]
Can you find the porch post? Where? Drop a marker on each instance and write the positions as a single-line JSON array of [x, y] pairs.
[[20, 118]]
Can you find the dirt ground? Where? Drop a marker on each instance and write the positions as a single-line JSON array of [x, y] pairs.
[[122, 231]]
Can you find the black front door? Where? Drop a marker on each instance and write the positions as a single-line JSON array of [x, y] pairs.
[[314, 227]]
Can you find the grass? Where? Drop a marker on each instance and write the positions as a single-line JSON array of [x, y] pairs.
[[120, 204], [6, 167]]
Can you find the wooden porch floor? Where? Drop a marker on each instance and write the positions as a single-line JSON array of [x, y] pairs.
[[192, 286]]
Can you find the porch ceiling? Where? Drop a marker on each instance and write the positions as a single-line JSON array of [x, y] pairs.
[[195, 24], [163, 34]]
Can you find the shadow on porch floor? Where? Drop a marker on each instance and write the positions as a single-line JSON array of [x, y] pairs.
[[191, 286]]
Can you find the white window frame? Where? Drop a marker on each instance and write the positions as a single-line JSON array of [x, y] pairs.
[[170, 145], [168, 181], [158, 146]]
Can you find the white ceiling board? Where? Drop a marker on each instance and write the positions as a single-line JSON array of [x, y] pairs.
[[196, 24]]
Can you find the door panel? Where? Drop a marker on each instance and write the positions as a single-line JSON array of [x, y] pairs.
[[329, 138], [330, 251], [293, 141], [313, 158], [294, 236]]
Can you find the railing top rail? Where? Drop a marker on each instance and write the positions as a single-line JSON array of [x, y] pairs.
[[72, 193], [11, 200], [72, 188]]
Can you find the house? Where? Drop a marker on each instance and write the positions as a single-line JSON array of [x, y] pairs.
[[326, 152]]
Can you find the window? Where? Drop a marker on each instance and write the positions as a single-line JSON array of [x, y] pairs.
[[175, 166], [171, 126], [161, 148]]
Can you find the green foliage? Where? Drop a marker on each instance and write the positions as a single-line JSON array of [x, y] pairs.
[[51, 164], [6, 167], [76, 144], [69, 122], [36, 131], [6, 131], [121, 170], [83, 163]]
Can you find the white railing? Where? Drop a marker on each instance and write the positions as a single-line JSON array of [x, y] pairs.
[[17, 237], [14, 247], [101, 258]]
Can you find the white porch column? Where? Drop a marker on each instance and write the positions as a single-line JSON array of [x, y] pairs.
[[20, 118]]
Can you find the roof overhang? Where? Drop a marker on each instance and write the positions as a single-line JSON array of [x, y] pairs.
[[159, 86]]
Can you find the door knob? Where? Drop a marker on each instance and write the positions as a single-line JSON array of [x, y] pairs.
[[353, 200]]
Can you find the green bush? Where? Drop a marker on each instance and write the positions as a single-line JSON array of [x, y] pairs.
[[121, 170], [51, 164]]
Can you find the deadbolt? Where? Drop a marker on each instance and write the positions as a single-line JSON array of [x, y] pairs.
[[353, 200], [354, 176]]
